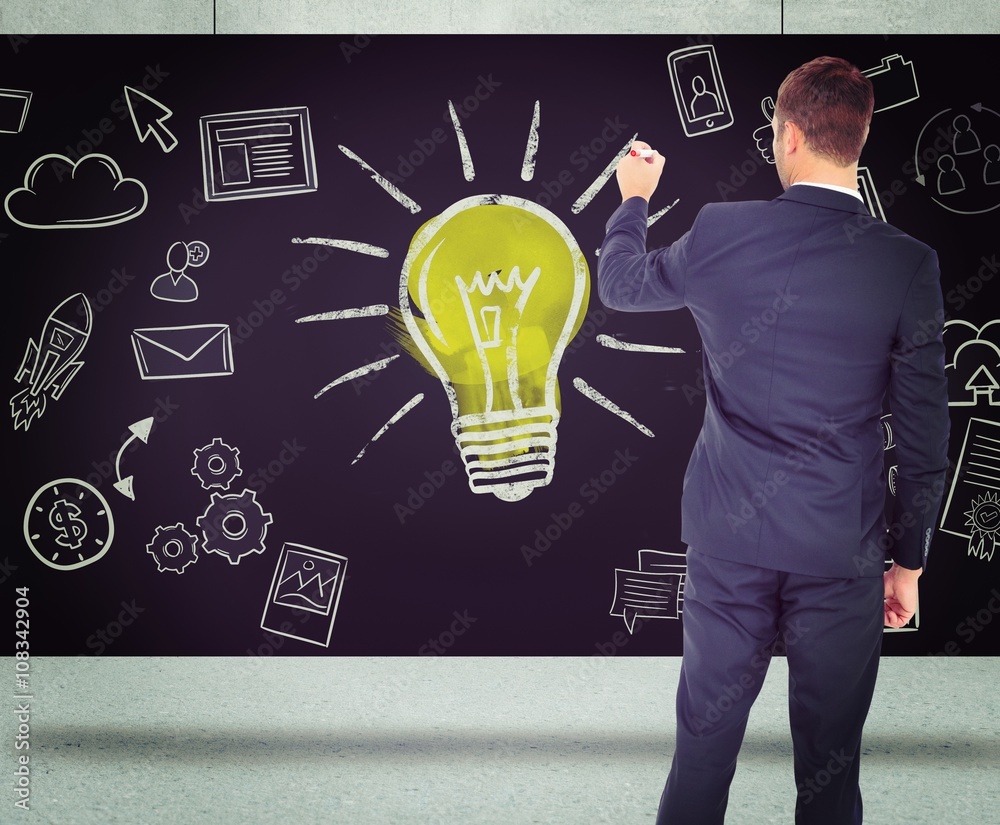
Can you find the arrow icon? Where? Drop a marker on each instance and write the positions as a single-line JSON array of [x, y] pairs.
[[141, 431], [148, 116]]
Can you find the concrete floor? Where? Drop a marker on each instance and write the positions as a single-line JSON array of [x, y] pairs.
[[491, 740]]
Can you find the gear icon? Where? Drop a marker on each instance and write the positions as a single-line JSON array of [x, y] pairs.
[[216, 464], [234, 525], [173, 548]]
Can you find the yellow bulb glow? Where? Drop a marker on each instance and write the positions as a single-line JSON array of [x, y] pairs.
[[501, 287]]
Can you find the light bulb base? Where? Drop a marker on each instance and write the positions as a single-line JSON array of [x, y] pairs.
[[508, 453]]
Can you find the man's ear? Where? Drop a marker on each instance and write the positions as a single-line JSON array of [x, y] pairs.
[[792, 136]]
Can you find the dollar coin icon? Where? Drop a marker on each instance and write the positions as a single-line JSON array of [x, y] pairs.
[[68, 524]]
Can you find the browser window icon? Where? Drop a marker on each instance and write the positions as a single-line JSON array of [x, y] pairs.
[[257, 154]]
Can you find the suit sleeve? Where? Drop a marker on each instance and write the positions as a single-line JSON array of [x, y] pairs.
[[631, 279], [918, 400]]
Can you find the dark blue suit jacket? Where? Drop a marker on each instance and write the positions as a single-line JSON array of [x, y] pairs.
[[810, 311]]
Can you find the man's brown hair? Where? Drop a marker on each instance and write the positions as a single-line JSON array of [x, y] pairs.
[[831, 101]]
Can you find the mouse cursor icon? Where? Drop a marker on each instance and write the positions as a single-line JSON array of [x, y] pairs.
[[148, 116]]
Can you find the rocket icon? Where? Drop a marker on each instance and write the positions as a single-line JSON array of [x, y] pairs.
[[49, 366]]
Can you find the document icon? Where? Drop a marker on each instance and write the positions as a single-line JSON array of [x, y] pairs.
[[894, 82], [200, 351], [654, 591], [257, 154], [305, 592], [866, 187], [13, 110]]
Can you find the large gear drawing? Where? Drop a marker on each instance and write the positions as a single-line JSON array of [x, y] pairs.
[[216, 464], [173, 548], [234, 525]]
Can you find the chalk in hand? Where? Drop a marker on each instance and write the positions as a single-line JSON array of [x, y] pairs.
[[642, 153]]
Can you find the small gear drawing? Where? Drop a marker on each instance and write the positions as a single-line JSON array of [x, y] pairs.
[[234, 525], [216, 464], [173, 548]]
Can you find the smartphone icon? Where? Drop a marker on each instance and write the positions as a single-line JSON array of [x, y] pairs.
[[699, 91]]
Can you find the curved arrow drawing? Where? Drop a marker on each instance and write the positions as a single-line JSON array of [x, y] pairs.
[[916, 151], [141, 431]]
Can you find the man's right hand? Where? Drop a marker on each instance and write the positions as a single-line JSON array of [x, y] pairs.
[[900, 595], [637, 177]]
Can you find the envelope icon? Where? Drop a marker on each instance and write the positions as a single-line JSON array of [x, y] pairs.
[[198, 351]]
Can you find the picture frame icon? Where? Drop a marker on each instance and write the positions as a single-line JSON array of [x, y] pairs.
[[305, 593]]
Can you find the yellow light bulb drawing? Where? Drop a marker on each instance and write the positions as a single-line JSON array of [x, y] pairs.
[[502, 287]]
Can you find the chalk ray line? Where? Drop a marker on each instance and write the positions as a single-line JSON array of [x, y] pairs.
[[409, 405], [531, 148], [387, 185], [614, 343], [463, 147], [598, 184], [357, 373], [340, 314], [656, 216], [610, 405], [352, 246]]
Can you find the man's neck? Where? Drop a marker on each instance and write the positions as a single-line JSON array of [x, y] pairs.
[[846, 176]]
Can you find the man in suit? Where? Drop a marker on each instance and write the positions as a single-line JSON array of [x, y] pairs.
[[810, 313]]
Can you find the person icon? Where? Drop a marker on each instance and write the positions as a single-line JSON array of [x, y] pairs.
[[704, 103], [991, 169], [175, 285], [949, 180], [965, 141]]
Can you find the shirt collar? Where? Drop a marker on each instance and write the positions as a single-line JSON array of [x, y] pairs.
[[832, 186]]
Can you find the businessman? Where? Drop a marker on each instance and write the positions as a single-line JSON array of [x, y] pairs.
[[811, 314]]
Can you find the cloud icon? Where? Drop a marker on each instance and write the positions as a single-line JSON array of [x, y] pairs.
[[974, 366], [59, 193]]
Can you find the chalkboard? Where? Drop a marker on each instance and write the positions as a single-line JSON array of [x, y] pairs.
[[228, 437]]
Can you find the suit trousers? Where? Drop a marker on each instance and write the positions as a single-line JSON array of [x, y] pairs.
[[736, 618]]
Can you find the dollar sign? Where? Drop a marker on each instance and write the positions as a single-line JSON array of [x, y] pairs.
[[71, 530]]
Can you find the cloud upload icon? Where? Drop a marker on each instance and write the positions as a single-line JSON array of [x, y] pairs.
[[59, 193]]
